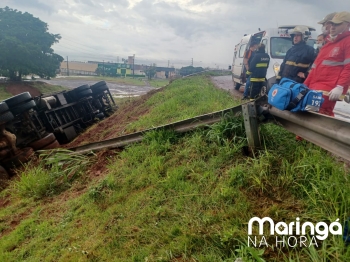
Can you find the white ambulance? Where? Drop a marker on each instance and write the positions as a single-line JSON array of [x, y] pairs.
[[277, 42]]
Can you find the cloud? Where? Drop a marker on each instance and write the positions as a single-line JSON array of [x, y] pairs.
[[162, 30], [37, 4]]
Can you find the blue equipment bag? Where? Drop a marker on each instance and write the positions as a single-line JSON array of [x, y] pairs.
[[293, 96]]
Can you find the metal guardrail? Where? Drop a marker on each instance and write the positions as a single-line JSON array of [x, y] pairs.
[[180, 126], [327, 132]]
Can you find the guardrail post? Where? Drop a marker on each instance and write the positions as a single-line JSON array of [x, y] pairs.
[[251, 124]]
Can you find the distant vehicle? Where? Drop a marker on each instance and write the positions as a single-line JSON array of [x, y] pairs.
[[277, 41]]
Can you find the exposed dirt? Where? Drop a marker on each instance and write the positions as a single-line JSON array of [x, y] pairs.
[[16, 88], [115, 125]]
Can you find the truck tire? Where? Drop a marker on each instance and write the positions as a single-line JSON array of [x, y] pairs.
[[3, 107], [18, 99], [23, 107], [81, 88], [99, 89], [53, 145], [84, 93], [41, 143], [101, 83], [6, 117]]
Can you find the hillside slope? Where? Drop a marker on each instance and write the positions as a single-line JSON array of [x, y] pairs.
[[174, 197], [35, 88]]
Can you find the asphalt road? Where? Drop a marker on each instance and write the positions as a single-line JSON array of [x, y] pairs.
[[117, 90], [341, 110]]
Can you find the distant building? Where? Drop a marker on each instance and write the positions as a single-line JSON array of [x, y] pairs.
[[165, 72], [131, 60], [113, 69], [78, 68]]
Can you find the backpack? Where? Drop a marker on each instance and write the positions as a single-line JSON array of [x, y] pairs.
[[292, 96]]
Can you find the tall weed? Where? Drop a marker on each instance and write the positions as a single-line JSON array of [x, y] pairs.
[[55, 172]]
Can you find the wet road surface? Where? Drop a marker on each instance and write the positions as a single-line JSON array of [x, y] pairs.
[[118, 90]]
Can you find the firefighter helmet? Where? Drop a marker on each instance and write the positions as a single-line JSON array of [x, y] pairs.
[[303, 30]]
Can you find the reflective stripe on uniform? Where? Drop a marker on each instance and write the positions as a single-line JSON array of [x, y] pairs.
[[295, 64], [313, 66], [278, 77], [261, 65], [326, 93], [332, 63], [257, 79]]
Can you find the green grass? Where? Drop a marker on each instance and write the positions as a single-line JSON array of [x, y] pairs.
[[182, 197], [184, 98], [158, 82], [47, 88], [3, 93]]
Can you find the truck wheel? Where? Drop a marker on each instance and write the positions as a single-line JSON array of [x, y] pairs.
[[53, 145], [18, 99], [98, 89], [3, 107], [23, 107], [84, 93], [81, 88], [101, 83], [6, 117], [41, 143]]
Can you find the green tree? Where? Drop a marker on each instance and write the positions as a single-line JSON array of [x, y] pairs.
[[188, 70], [25, 46], [150, 71]]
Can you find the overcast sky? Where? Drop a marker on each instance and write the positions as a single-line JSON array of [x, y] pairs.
[[158, 31]]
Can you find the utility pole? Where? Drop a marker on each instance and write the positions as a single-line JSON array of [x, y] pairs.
[[67, 67], [103, 65], [192, 62], [118, 59], [133, 66], [168, 63]]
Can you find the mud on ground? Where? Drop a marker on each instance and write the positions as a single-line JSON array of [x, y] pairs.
[[116, 124], [16, 88]]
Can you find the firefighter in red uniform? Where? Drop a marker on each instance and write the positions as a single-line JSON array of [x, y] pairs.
[[331, 70]]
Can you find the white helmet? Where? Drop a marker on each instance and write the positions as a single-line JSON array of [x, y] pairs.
[[303, 30]]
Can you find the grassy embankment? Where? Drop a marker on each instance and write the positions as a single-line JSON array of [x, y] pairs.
[[42, 87], [176, 197], [47, 88]]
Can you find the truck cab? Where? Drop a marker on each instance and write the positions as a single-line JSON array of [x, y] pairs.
[[277, 41]]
